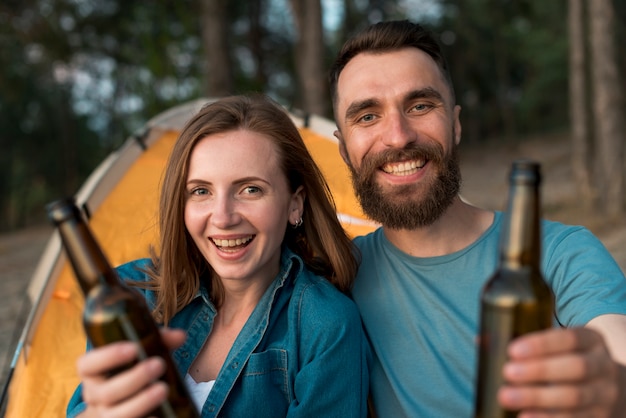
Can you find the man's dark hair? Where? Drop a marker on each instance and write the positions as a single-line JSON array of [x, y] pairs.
[[386, 37]]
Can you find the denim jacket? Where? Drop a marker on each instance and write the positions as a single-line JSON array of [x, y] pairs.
[[302, 352]]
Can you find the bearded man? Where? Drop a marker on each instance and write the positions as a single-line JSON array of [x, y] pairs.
[[421, 273]]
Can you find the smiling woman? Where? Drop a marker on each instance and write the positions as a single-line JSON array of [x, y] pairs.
[[236, 218], [252, 259]]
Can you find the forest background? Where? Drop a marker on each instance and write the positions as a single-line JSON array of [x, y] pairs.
[[78, 77]]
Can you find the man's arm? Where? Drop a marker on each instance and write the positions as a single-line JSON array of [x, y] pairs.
[[613, 329]]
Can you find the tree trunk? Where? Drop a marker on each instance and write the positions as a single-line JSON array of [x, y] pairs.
[[501, 63], [255, 42], [353, 20], [607, 107], [579, 107], [309, 53], [214, 27]]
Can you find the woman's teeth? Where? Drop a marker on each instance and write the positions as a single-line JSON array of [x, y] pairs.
[[231, 242]]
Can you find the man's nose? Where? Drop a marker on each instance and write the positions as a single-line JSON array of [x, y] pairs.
[[398, 131]]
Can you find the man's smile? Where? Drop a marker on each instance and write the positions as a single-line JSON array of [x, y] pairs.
[[404, 168]]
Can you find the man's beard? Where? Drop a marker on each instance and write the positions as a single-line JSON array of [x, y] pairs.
[[409, 206]]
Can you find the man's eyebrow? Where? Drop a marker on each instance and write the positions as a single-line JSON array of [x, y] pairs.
[[425, 93], [356, 107]]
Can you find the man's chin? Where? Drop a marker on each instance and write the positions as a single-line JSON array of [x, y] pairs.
[[410, 210]]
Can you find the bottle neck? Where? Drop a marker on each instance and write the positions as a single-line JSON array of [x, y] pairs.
[[521, 241], [89, 263]]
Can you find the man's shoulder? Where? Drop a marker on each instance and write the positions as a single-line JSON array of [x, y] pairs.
[[364, 241], [554, 233]]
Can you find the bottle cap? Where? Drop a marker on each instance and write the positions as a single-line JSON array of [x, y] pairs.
[[61, 210], [525, 171]]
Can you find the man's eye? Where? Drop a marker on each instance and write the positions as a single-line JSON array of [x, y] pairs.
[[421, 107], [367, 118]]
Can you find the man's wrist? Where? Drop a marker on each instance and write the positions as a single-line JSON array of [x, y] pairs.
[[619, 411]]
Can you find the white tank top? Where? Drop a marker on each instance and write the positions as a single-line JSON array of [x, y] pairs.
[[199, 391]]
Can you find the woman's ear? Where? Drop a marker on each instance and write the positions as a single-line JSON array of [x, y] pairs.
[[296, 209]]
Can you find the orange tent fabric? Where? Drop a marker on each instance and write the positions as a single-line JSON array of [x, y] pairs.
[[125, 223]]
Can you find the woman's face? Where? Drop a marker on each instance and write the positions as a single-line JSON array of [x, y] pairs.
[[238, 205]]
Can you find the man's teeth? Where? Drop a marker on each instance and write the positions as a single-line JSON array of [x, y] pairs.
[[404, 168], [231, 242]]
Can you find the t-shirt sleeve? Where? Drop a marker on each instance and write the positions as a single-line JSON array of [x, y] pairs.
[[586, 279]]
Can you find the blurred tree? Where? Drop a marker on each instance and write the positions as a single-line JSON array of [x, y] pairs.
[[215, 27], [507, 80], [309, 57], [43, 142], [608, 108], [597, 107], [82, 76], [77, 78], [256, 36], [580, 103]]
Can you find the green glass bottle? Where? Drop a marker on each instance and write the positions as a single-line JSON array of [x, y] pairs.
[[515, 300], [114, 311]]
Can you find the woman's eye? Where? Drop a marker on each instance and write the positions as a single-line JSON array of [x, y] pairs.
[[252, 190], [198, 191]]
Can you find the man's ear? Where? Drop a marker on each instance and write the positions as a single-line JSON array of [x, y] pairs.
[[342, 147], [457, 124]]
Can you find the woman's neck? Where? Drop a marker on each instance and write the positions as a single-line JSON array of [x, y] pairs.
[[240, 299]]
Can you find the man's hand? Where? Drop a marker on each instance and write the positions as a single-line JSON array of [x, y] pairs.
[[563, 373]]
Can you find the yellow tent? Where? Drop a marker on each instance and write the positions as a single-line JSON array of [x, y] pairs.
[[120, 198]]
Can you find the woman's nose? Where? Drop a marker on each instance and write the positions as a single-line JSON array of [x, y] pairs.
[[224, 212]]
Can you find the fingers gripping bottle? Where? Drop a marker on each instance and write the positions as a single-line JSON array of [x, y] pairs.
[[515, 300], [114, 311]]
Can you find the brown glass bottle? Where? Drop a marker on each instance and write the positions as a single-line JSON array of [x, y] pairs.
[[114, 311], [515, 300]]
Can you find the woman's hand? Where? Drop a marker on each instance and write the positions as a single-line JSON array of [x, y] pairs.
[[131, 393]]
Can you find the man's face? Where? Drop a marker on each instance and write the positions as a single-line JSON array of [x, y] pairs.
[[398, 133]]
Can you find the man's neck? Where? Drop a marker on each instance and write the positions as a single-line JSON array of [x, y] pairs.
[[457, 228]]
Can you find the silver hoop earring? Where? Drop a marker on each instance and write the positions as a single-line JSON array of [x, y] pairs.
[[298, 223]]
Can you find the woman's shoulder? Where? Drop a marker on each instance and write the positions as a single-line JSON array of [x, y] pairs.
[[316, 294], [325, 317], [135, 270]]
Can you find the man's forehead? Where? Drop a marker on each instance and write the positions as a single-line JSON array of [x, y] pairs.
[[398, 72]]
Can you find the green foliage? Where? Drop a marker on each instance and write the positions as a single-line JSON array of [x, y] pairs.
[[79, 76], [509, 63], [543, 105]]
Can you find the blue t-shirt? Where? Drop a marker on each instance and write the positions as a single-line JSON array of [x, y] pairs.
[[302, 352], [421, 314]]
